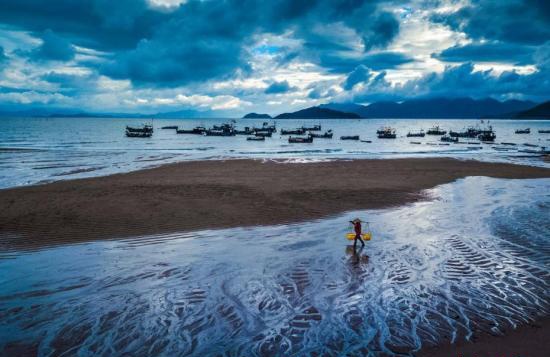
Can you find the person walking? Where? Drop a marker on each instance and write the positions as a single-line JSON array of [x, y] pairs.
[[357, 228]]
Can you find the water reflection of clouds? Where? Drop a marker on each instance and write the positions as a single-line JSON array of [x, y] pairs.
[[432, 272]]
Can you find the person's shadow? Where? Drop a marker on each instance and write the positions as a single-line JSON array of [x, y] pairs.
[[357, 256]]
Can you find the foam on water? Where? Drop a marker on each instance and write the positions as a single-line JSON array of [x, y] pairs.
[[475, 259]]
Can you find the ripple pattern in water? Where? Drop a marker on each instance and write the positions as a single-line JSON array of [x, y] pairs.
[[473, 260]]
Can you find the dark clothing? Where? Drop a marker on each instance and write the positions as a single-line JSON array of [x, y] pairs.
[[357, 227], [358, 236]]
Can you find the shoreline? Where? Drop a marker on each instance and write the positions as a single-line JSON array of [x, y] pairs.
[[196, 195]]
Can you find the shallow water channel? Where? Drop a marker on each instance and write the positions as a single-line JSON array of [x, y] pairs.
[[475, 258]]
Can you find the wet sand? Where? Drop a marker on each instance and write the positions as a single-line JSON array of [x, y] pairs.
[[528, 340], [219, 194]]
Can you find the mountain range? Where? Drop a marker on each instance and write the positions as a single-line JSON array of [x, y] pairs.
[[540, 111], [424, 108], [441, 108], [318, 113]]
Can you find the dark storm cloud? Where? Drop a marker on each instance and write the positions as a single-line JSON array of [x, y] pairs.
[[315, 94], [200, 40], [278, 88], [54, 48], [376, 61], [321, 89], [3, 57], [489, 52], [514, 21], [463, 81], [386, 60], [98, 24], [71, 84], [358, 75]]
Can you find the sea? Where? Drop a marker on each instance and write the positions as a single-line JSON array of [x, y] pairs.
[[41, 150]]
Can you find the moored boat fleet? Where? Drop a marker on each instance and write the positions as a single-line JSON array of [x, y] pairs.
[[306, 134]]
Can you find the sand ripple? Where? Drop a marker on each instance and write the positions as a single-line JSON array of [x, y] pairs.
[[475, 260]]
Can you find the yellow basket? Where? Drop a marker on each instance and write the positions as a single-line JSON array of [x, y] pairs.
[[364, 236]]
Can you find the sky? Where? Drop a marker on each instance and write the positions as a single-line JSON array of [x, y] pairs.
[[216, 57]]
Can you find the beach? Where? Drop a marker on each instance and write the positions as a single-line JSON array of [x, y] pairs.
[[270, 227], [219, 194]]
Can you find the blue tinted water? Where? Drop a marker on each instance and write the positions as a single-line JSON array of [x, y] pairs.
[[35, 150], [475, 258]]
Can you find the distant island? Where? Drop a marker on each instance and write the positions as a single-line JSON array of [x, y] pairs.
[[318, 113], [257, 116], [541, 111]]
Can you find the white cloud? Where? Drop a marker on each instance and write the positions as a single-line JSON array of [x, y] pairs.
[[32, 97], [419, 38], [165, 4], [203, 101]]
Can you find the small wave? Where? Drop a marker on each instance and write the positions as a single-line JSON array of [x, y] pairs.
[[80, 171], [283, 152], [17, 150], [58, 166]]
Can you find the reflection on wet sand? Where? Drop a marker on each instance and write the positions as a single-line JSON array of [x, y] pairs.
[[434, 272], [357, 256]]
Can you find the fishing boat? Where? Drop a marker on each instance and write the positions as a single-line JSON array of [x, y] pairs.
[[470, 132], [295, 139], [382, 130], [487, 135], [349, 137], [449, 139], [139, 134], [544, 131], [523, 131], [256, 138], [224, 127], [247, 131], [198, 130], [388, 133], [436, 130], [326, 135], [217, 132], [143, 129], [312, 128], [170, 127], [266, 127], [298, 131], [263, 134], [418, 134]]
